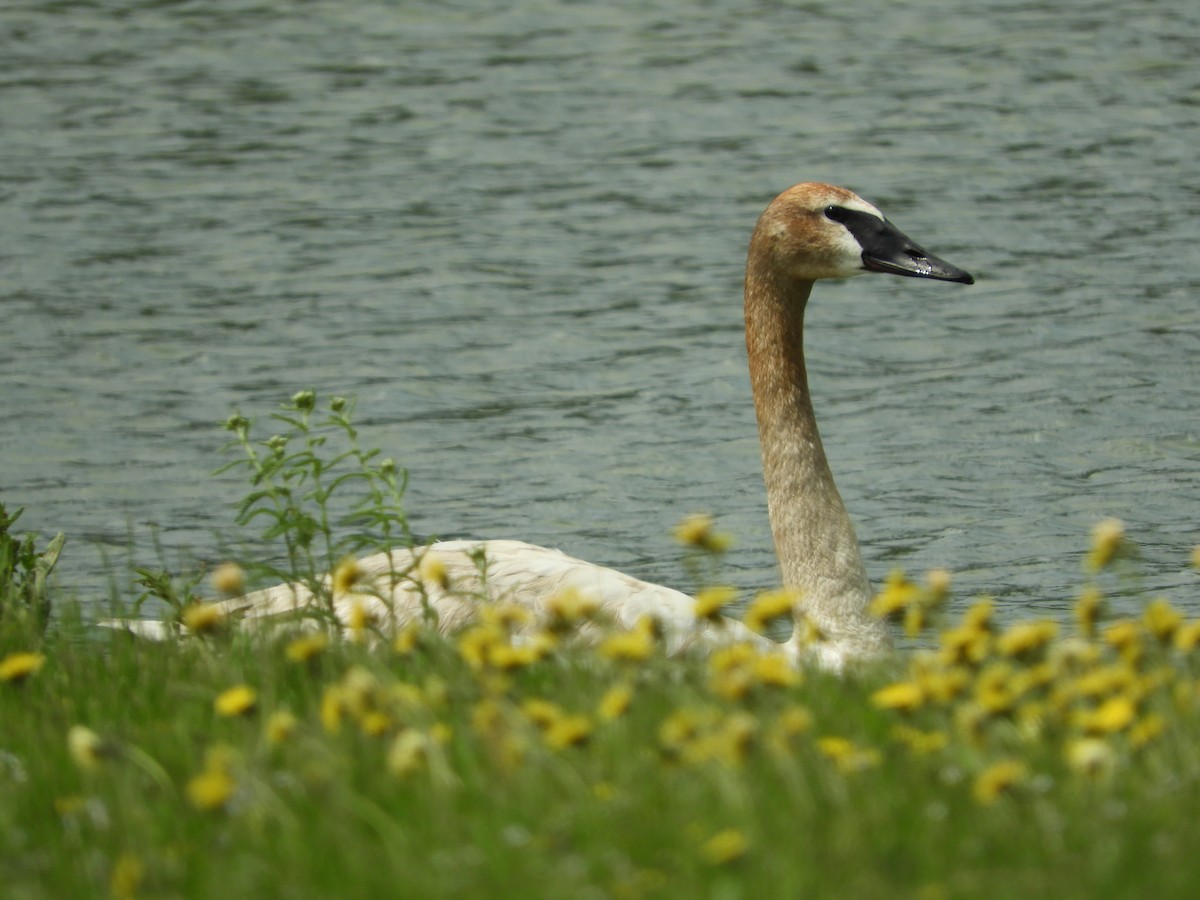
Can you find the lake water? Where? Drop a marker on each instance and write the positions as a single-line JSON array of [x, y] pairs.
[[517, 238]]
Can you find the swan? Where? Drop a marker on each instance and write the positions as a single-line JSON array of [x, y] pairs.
[[809, 232]]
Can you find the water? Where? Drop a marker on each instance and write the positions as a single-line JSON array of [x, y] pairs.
[[517, 236]]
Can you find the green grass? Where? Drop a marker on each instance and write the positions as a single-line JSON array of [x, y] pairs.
[[1061, 761]]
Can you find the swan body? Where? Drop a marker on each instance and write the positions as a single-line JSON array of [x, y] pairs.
[[809, 232]]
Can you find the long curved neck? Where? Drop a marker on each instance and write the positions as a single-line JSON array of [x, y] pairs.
[[814, 538]]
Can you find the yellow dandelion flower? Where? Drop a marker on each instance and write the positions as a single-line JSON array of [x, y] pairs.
[[698, 531], [996, 691], [1093, 757], [847, 757], [407, 638], [432, 570], [125, 879], [1114, 714], [375, 723], [904, 696], [359, 617], [280, 726], [724, 847], [346, 575], [1125, 636], [1162, 620], [307, 647], [615, 702], [1147, 729], [1187, 637], [771, 606], [506, 616], [1026, 637], [16, 667], [568, 608], [897, 595], [774, 670], [476, 643], [541, 712], [507, 657], [794, 720], [86, 748], [211, 789], [203, 618], [236, 701], [937, 584], [915, 618], [228, 578], [634, 645], [1088, 609], [922, 743], [408, 753], [1108, 542], [332, 709], [711, 602], [568, 731], [998, 779]]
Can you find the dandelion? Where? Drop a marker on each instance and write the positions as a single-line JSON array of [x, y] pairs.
[[847, 757], [346, 575], [212, 788], [1087, 611], [698, 531], [635, 645], [568, 731], [1090, 756], [407, 753], [375, 723], [897, 595], [922, 743], [407, 638], [1162, 620], [568, 608], [86, 748], [1187, 637], [1026, 637], [126, 877], [998, 779], [432, 570], [615, 702], [203, 618], [1108, 544], [307, 647], [711, 601], [904, 696], [280, 726], [724, 847], [332, 709], [1114, 714], [359, 618], [1125, 636], [995, 690], [236, 701], [770, 606], [228, 578], [774, 670], [16, 667], [1147, 729]]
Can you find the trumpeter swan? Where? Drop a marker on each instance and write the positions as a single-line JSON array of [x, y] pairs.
[[810, 231]]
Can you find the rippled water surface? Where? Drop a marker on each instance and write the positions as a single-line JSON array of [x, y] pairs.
[[517, 237]]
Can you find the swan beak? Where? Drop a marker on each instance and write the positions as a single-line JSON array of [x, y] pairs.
[[888, 249]]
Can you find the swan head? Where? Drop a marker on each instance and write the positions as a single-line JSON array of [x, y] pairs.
[[815, 230]]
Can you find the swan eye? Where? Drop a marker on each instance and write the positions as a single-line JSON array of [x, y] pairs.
[[837, 213]]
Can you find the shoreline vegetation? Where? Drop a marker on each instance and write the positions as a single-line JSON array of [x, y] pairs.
[[1008, 758]]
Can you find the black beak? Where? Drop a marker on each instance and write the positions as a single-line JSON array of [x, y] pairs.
[[888, 249]]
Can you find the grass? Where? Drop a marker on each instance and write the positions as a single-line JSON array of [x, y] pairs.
[[1052, 759]]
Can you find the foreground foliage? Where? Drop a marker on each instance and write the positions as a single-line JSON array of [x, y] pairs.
[[1033, 758]]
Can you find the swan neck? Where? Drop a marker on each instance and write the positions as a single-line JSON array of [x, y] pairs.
[[814, 537]]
